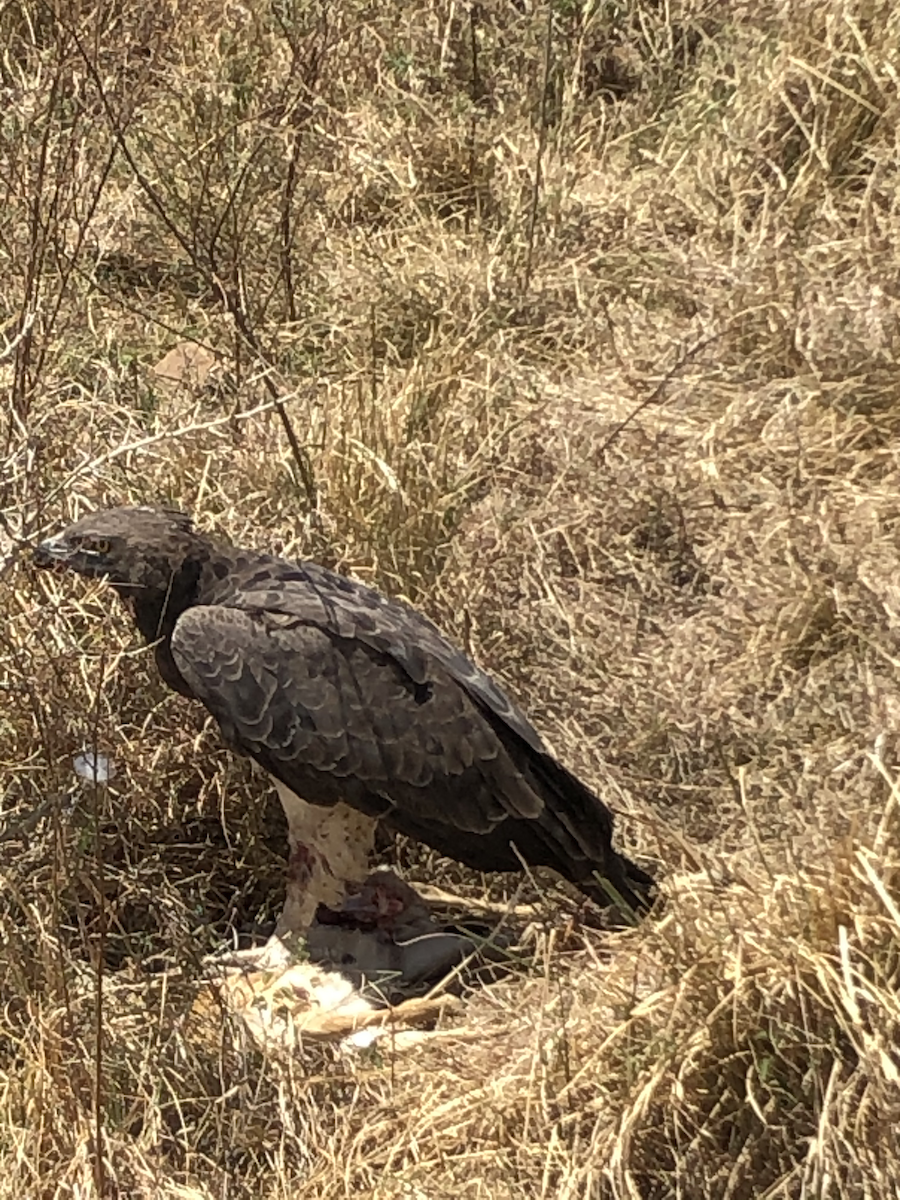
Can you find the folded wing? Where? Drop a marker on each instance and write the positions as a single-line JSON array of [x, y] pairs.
[[335, 718]]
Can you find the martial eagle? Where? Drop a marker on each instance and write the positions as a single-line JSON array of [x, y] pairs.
[[356, 706]]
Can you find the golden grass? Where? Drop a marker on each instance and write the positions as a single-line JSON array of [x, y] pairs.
[[585, 321]]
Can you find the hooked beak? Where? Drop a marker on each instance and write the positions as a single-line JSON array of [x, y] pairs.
[[54, 552], [57, 553]]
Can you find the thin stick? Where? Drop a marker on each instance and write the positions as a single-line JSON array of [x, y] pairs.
[[99, 1163], [542, 145]]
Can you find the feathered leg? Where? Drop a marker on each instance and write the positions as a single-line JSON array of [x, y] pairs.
[[329, 849]]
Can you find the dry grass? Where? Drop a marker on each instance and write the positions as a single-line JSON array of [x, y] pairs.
[[585, 321]]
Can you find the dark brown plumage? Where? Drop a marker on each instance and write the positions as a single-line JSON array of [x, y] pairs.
[[344, 695]]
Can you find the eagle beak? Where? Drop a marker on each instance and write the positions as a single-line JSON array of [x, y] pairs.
[[58, 553], [54, 552]]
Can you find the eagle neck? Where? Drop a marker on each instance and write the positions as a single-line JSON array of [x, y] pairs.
[[157, 609]]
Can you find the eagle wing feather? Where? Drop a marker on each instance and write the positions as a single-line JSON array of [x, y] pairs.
[[349, 609], [335, 717]]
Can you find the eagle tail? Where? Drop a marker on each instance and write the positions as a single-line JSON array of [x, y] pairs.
[[632, 892], [580, 829]]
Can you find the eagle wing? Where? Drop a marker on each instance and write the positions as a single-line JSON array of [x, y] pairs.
[[349, 609], [342, 695]]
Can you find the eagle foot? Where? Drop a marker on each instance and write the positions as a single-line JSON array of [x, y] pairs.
[[382, 939]]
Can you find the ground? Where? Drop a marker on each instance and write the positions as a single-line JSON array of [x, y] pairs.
[[577, 325]]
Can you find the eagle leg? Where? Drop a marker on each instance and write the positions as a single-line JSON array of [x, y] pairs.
[[329, 850]]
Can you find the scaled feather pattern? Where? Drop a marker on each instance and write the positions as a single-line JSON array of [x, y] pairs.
[[343, 695]]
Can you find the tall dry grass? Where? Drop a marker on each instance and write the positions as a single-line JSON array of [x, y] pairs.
[[577, 325]]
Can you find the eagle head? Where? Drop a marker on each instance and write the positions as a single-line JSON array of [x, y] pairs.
[[136, 549]]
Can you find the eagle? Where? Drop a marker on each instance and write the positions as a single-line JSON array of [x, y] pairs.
[[356, 706]]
